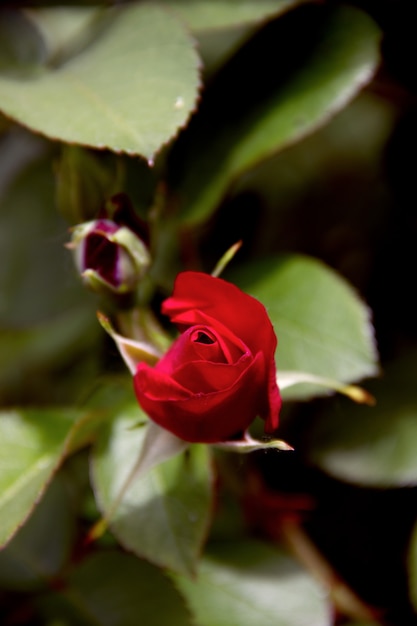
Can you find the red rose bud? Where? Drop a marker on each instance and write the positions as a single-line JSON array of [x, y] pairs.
[[109, 256], [220, 373]]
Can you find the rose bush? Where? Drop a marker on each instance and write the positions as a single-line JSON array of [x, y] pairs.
[[220, 373]]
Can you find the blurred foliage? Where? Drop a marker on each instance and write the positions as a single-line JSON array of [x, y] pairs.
[[286, 124]]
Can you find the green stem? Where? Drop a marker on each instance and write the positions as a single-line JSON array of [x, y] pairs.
[[344, 599]]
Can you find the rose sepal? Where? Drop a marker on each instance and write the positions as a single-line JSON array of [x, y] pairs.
[[132, 351], [249, 444], [135, 246], [95, 282]]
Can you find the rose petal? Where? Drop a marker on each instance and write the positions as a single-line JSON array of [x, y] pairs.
[[199, 298], [220, 374], [201, 417], [185, 349], [203, 377], [157, 385], [272, 410], [196, 292]]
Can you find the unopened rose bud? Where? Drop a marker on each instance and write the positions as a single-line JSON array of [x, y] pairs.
[[108, 256]]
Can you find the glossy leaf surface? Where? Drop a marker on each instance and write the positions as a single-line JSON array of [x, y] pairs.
[[114, 589], [322, 326], [41, 547], [203, 15], [243, 583], [372, 446], [256, 118], [160, 511], [129, 90], [33, 443]]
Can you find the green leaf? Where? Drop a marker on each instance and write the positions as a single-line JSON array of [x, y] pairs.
[[264, 115], [21, 46], [322, 326], [41, 547], [163, 514], [246, 583], [64, 28], [112, 589], [46, 320], [33, 443], [35, 279], [45, 345], [202, 15], [130, 90], [372, 446], [355, 393]]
